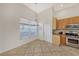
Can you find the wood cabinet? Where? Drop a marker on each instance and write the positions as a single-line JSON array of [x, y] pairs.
[[62, 40], [56, 40], [54, 24], [63, 22], [59, 40]]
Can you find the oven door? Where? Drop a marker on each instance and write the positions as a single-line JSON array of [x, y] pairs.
[[72, 42]]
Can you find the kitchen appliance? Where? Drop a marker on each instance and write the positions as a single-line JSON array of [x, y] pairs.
[[72, 35], [72, 39], [72, 26]]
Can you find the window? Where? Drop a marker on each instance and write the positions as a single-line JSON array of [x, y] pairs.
[[28, 29]]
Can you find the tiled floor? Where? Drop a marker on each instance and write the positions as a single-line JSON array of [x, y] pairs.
[[41, 48]]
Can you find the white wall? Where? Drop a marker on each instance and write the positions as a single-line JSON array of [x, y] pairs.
[[68, 12], [10, 15], [45, 18]]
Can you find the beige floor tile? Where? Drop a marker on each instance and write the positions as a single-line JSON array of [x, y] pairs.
[[41, 48]]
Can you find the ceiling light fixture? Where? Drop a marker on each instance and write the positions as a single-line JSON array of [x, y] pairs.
[[61, 5]]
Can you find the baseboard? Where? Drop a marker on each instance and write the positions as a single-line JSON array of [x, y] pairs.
[[5, 50]]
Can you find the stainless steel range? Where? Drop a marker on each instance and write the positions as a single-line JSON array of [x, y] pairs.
[[72, 39]]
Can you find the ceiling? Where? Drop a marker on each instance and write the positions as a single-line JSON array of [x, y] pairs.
[[39, 7]]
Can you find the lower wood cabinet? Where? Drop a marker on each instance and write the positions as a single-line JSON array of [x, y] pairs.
[[58, 40], [62, 40]]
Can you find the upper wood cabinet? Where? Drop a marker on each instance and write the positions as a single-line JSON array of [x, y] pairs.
[[63, 22], [54, 24]]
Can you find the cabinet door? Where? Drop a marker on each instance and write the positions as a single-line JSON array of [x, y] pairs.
[[54, 24], [56, 40], [62, 40]]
